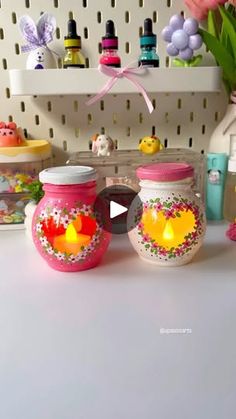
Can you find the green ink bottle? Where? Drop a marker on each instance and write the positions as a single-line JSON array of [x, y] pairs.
[[148, 43]]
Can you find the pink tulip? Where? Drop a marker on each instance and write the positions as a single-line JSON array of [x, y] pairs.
[[233, 2], [199, 8]]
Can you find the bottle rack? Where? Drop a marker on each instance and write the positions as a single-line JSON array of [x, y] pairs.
[[187, 103], [90, 81]]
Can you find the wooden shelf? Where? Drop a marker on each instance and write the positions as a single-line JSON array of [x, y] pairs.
[[90, 81]]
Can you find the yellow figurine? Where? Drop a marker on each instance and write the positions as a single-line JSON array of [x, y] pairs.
[[150, 145]]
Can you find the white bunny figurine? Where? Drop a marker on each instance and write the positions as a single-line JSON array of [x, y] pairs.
[[102, 145], [38, 36]]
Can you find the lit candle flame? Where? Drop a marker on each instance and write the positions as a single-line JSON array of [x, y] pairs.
[[71, 234], [168, 232]]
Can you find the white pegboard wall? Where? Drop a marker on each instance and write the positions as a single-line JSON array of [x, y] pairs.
[[180, 120]]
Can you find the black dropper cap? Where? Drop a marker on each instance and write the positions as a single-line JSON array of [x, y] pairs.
[[110, 35], [148, 27], [110, 29], [72, 39], [148, 38]]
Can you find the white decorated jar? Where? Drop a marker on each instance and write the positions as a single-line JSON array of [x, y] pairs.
[[169, 224]]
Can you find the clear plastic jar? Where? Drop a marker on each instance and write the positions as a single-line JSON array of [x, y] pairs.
[[172, 223]]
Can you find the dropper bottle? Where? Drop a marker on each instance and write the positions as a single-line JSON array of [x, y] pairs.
[[230, 184], [148, 43], [72, 42], [110, 55]]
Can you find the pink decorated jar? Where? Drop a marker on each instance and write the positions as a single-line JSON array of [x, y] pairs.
[[171, 219], [66, 231]]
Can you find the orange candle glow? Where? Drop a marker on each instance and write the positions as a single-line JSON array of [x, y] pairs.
[[168, 233], [71, 242]]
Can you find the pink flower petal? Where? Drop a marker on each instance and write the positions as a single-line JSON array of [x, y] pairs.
[[199, 8]]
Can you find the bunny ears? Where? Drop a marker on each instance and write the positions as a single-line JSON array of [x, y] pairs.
[[37, 34]]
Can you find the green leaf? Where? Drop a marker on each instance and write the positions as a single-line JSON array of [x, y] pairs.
[[211, 24], [177, 62], [196, 61], [228, 86], [222, 56], [225, 41], [231, 9], [230, 27], [35, 190]]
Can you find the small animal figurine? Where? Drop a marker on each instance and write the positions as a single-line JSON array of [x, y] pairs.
[[3, 207], [102, 145], [214, 176], [4, 184], [150, 145], [38, 35], [9, 135]]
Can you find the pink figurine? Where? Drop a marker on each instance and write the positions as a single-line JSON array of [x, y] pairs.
[[9, 136]]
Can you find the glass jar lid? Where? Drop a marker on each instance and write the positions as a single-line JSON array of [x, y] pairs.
[[68, 175], [165, 172]]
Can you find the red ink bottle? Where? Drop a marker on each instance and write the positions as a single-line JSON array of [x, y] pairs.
[[109, 55]]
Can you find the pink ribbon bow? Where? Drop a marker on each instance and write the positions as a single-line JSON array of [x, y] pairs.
[[116, 74]]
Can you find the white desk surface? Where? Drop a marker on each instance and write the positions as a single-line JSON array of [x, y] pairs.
[[88, 345]]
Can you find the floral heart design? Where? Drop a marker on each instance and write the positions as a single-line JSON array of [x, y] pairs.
[[82, 223], [68, 235], [168, 232], [170, 228]]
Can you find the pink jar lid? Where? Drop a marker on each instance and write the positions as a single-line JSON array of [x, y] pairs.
[[165, 172]]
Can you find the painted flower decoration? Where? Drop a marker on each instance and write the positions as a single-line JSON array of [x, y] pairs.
[[53, 222], [172, 208], [183, 39], [231, 232]]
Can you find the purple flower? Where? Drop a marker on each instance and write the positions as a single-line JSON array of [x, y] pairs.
[[182, 37]]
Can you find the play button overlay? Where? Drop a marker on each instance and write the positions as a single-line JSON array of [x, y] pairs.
[[112, 208], [116, 209]]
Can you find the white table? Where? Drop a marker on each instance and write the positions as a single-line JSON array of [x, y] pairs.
[[88, 345]]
